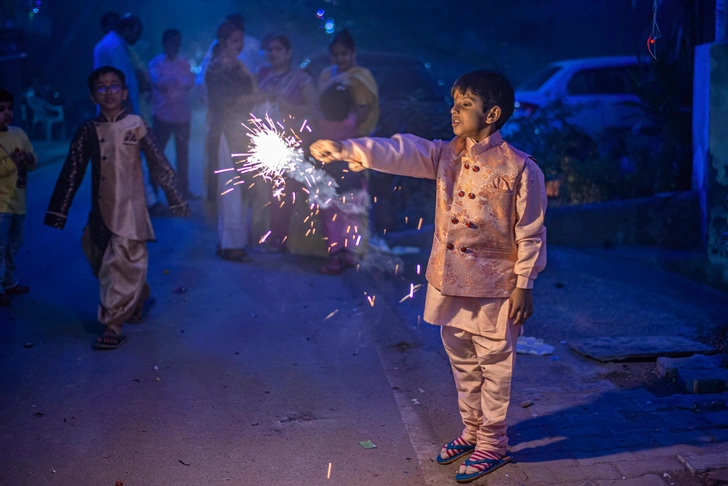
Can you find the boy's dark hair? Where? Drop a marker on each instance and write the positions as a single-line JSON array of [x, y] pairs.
[[129, 22], [94, 77], [344, 38], [110, 21], [6, 96], [491, 87], [170, 34], [226, 29], [238, 19], [336, 102]]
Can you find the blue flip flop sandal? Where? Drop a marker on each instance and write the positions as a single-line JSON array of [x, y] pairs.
[[495, 464], [464, 451]]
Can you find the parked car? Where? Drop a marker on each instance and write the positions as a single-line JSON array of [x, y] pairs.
[[600, 90], [410, 100]]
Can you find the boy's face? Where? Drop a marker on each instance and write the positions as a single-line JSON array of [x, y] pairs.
[[277, 54], [109, 93], [235, 43], [342, 57], [468, 118], [172, 46], [6, 114]]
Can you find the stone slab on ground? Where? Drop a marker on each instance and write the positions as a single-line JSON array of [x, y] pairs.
[[699, 463], [622, 348], [718, 435], [710, 402], [717, 419], [667, 367], [672, 402], [703, 381], [656, 465], [646, 480]]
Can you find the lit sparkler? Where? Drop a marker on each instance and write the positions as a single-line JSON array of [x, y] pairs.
[[274, 154]]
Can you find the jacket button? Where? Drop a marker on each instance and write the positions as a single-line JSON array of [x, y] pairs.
[[103, 158], [463, 249], [102, 140], [467, 166], [450, 246], [476, 168], [454, 221], [471, 195], [461, 193]]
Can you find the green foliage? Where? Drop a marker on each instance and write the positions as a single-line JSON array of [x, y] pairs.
[[653, 157]]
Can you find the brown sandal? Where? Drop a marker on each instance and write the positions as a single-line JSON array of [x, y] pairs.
[[234, 255], [338, 262], [109, 342], [17, 289]]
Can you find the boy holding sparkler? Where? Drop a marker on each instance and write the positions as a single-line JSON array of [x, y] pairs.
[[115, 239], [489, 246], [16, 159]]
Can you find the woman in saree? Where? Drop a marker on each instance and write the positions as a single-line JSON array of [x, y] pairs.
[[346, 225], [232, 93], [292, 98], [357, 79]]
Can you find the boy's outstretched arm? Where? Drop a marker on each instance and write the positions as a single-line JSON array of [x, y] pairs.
[[71, 176], [162, 173], [530, 234], [406, 155]]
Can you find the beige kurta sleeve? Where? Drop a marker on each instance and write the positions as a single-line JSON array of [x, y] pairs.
[[531, 204], [405, 155]]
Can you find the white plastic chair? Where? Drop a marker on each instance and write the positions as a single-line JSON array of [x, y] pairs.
[[45, 113]]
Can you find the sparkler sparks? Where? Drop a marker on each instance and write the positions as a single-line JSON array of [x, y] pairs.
[[274, 155], [413, 288]]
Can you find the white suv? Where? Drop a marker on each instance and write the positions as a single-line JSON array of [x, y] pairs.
[[600, 90]]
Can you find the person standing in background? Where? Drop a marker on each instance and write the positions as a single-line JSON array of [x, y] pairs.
[[251, 55], [109, 24], [16, 159], [115, 50], [172, 81]]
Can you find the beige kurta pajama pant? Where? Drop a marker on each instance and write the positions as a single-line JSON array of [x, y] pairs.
[[122, 273], [480, 341], [489, 238]]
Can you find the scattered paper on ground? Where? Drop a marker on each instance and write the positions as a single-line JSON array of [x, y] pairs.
[[531, 345], [367, 444]]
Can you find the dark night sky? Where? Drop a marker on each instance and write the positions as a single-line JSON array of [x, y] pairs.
[[516, 36]]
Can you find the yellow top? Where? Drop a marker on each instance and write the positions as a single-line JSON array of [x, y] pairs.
[[363, 89], [12, 198]]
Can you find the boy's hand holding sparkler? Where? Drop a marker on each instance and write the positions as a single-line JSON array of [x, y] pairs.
[[327, 151]]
